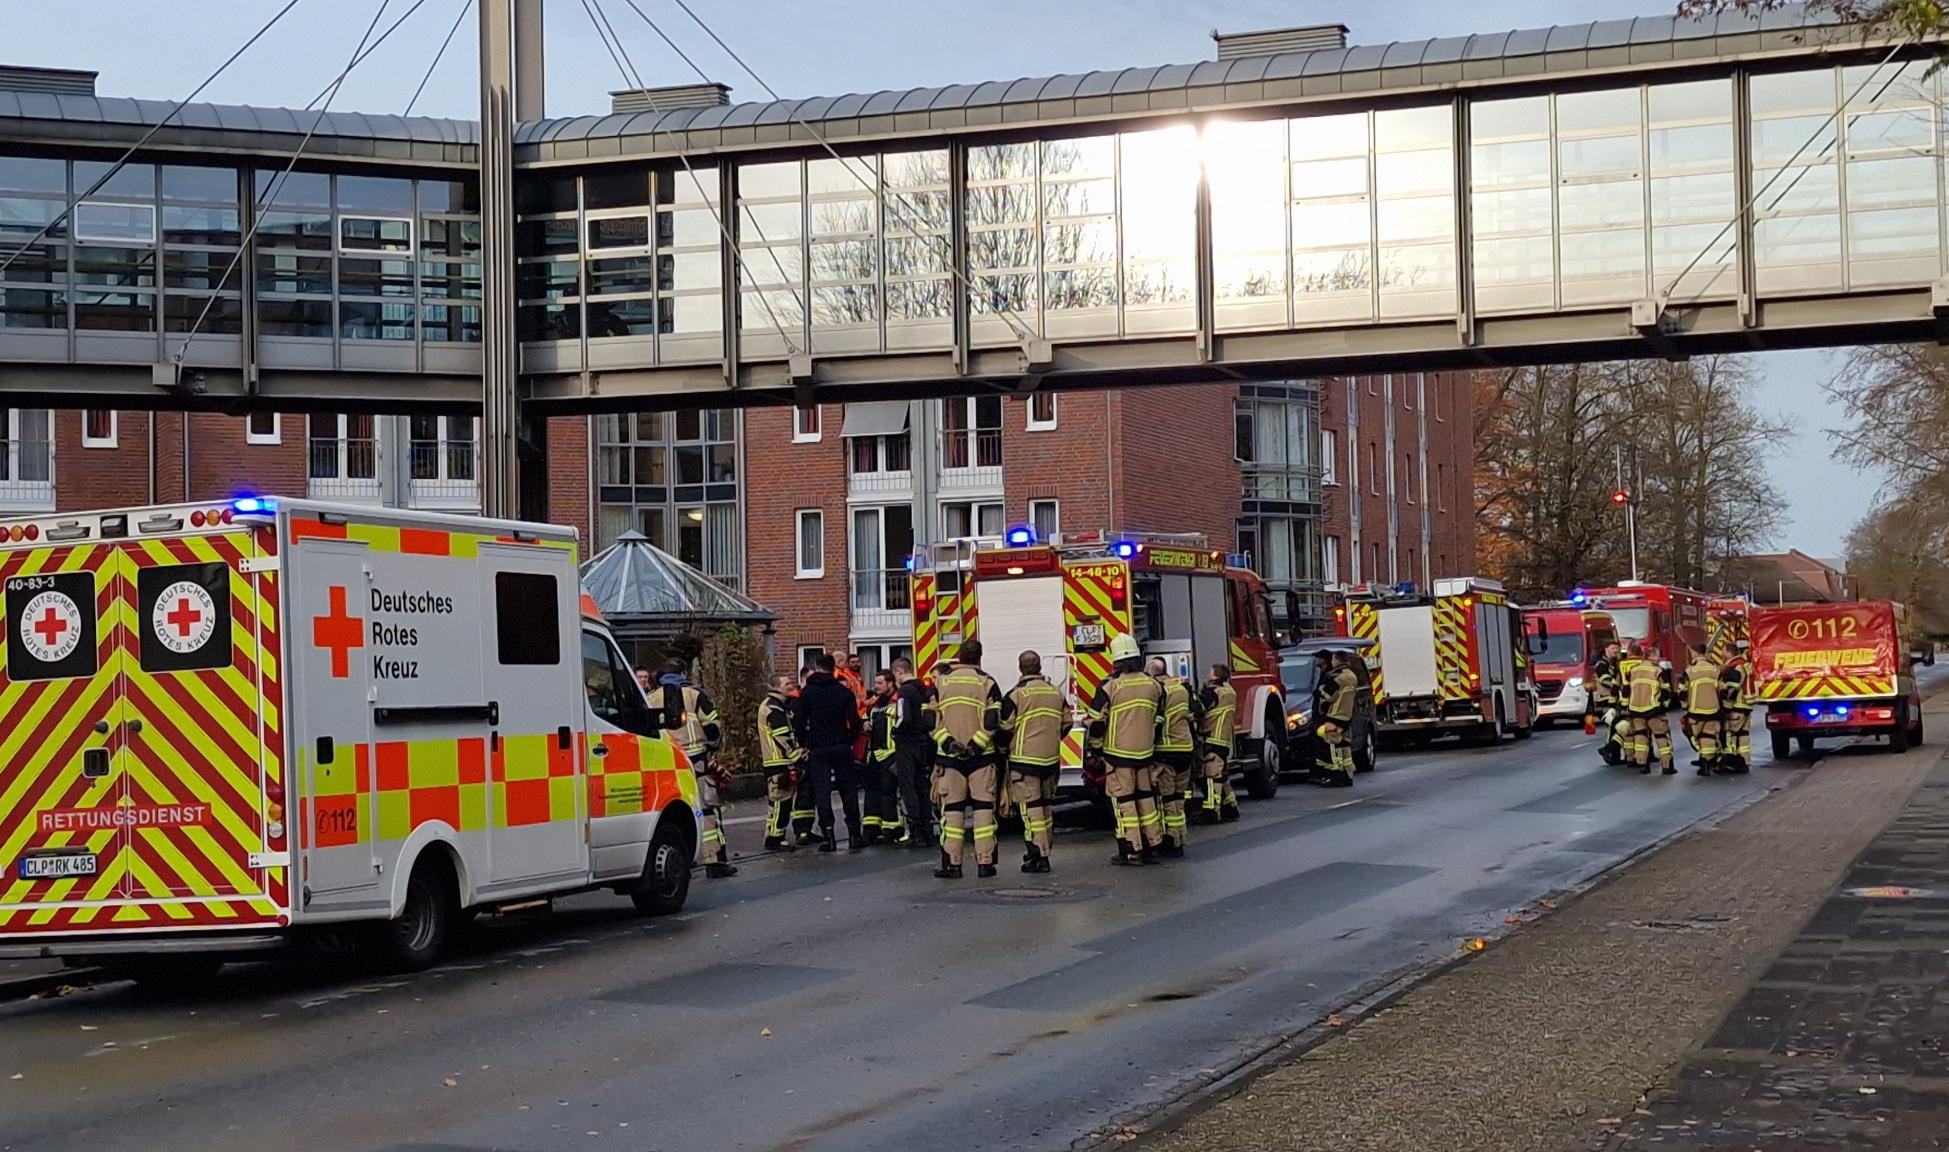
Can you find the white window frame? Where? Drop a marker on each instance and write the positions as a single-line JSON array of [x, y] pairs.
[[274, 436], [1329, 458], [799, 435], [799, 518], [83, 236], [974, 517], [808, 655], [1055, 513], [1036, 424], [1329, 558], [114, 429], [410, 252]]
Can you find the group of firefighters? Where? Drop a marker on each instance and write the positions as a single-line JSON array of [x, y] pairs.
[[974, 752], [1632, 693]]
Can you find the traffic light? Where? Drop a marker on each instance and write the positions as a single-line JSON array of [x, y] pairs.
[[1620, 497]]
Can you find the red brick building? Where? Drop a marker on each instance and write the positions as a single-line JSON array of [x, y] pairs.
[[814, 512]]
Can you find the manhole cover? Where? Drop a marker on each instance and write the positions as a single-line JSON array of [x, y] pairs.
[[1024, 893], [1013, 894], [1891, 892]]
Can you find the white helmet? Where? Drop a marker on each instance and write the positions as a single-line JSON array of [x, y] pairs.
[[1123, 646]]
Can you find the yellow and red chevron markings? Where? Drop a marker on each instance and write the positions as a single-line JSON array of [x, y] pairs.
[[1823, 687], [1364, 623], [1452, 648], [205, 740]]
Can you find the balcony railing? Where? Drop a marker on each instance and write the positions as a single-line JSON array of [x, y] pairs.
[[971, 458], [26, 476], [443, 474], [344, 470], [1279, 483], [881, 599], [880, 484]]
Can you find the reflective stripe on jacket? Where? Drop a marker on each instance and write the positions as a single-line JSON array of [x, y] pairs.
[[1702, 689], [1033, 716], [1220, 719], [1124, 717], [778, 744], [1176, 735], [969, 709]]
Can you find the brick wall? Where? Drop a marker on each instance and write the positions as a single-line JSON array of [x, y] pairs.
[[223, 463], [1174, 468], [782, 477], [1066, 463], [1451, 444], [569, 477], [115, 477]]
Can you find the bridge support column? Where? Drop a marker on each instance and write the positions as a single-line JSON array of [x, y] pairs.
[[510, 91]]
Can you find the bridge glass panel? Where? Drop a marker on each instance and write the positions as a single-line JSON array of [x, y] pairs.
[[1889, 146], [1601, 196], [1246, 171], [1079, 236], [201, 231], [33, 290], [1003, 243], [1414, 181], [548, 269], [1694, 197], [690, 272], [1158, 184], [1796, 181], [771, 243], [1512, 205], [1332, 219], [844, 217], [918, 219]]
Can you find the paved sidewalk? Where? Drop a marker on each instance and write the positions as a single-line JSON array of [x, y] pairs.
[[1841, 1044], [1551, 1038]]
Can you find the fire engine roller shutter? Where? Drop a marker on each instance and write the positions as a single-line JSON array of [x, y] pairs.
[[1021, 614]]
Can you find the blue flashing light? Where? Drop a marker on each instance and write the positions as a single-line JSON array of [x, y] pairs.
[[253, 505], [1579, 596], [1125, 549], [910, 562], [1813, 710], [1840, 709], [1021, 536]]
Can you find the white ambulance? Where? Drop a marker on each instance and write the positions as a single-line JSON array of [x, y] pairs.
[[226, 725]]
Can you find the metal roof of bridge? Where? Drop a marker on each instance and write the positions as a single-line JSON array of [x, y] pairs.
[[1484, 57]]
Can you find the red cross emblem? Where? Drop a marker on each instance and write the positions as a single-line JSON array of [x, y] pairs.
[[184, 616], [339, 631], [50, 626]]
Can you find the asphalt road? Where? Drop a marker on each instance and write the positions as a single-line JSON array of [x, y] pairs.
[[854, 1002]]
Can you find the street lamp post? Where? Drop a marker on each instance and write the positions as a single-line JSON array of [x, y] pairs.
[[1624, 496]]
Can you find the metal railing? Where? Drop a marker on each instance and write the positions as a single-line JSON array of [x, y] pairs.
[[971, 448], [899, 483], [881, 590], [456, 460], [26, 475], [339, 458]]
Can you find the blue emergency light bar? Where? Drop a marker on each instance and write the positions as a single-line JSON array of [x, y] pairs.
[[1021, 536], [1125, 549], [253, 505]]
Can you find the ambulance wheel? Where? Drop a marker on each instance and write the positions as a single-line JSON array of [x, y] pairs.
[[1782, 745], [666, 872], [416, 940]]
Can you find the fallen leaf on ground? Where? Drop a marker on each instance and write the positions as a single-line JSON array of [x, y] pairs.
[[1310, 984], [1477, 944], [1609, 1120], [1333, 1021], [1546, 903], [1866, 1091], [1512, 919], [766, 1032], [451, 1082]]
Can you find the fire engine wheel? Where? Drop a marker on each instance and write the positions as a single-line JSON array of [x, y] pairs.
[[666, 872], [1782, 745], [416, 940], [1898, 735], [1262, 781]]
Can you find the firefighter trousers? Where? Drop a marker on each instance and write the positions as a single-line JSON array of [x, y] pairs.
[[872, 781], [832, 772], [711, 824], [1130, 789], [804, 815], [1218, 782], [1650, 732], [1705, 738], [910, 774], [967, 793], [880, 797], [1336, 753], [1736, 745], [780, 798], [1171, 777], [1033, 788]]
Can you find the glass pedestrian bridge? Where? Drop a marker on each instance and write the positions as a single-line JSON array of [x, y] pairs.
[[1648, 187]]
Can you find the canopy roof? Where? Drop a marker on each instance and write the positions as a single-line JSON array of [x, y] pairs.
[[634, 582]]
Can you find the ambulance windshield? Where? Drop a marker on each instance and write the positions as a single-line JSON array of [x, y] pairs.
[[1632, 623]]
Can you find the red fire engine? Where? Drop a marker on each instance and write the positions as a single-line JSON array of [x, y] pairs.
[[1666, 620], [1067, 598], [1454, 661]]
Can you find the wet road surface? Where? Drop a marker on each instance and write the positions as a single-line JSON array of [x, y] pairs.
[[854, 1002]]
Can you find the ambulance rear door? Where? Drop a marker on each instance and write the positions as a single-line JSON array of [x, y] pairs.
[[330, 590]]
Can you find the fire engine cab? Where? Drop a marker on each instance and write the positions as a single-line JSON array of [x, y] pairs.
[[1665, 619], [1453, 661], [1066, 598], [226, 724]]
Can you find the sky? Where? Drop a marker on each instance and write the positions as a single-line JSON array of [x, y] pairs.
[[828, 47]]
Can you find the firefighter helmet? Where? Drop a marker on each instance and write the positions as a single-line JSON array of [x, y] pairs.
[[1123, 646]]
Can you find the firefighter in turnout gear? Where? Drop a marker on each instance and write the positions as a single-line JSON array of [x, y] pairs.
[[783, 759], [968, 714], [1644, 702], [1177, 755], [1124, 719], [1605, 714], [691, 720], [1334, 726], [1216, 734], [1034, 715], [1736, 716], [880, 800], [1703, 710]]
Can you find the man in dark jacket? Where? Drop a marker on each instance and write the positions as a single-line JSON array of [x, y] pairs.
[[829, 724], [913, 724]]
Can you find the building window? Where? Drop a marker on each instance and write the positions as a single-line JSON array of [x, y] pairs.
[[805, 425], [262, 428], [882, 540], [343, 447], [881, 454], [1441, 487], [98, 428], [971, 432], [1330, 559], [442, 448], [1045, 517], [97, 223], [672, 476], [1413, 572], [811, 535], [1407, 475], [808, 654], [961, 519], [1373, 469], [1374, 573], [1042, 411], [1434, 396], [1329, 457]]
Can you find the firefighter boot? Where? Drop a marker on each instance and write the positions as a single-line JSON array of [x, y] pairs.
[[718, 870], [984, 870], [1171, 848], [856, 841], [1128, 855], [1034, 860], [948, 869], [828, 840], [1228, 813]]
